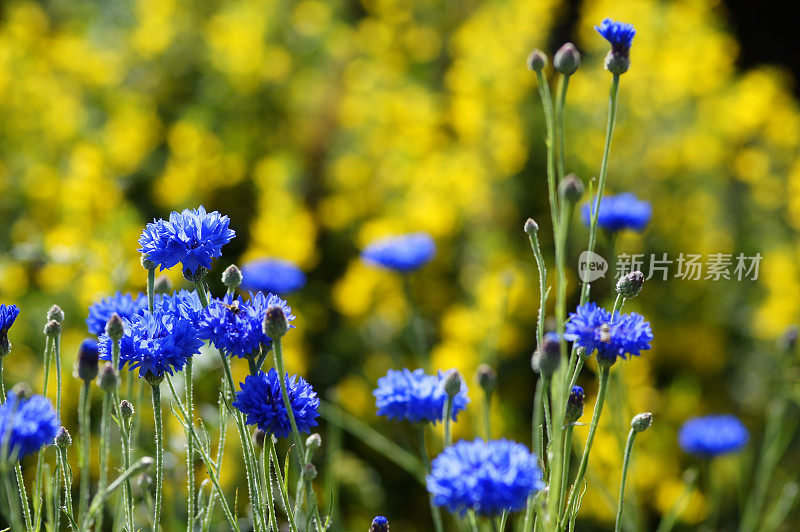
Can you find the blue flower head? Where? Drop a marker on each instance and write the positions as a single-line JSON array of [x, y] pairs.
[[192, 237], [182, 303], [711, 436], [379, 524], [487, 477], [8, 315], [26, 425], [574, 405], [415, 396], [261, 401], [235, 326], [125, 305], [154, 344], [272, 275], [619, 34], [594, 328], [623, 211], [401, 253]]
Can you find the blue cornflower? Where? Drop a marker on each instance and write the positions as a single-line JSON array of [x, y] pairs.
[[710, 436], [26, 425], [401, 253], [261, 400], [182, 303], [623, 211], [124, 305], [619, 34], [594, 328], [154, 344], [235, 326], [272, 275], [192, 237], [415, 396], [487, 477], [379, 524], [8, 314]]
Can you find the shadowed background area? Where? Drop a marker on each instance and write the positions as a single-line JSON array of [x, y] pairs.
[[318, 126]]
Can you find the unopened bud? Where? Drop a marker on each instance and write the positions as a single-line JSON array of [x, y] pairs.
[[313, 443], [309, 472], [55, 313], [567, 59], [22, 390], [126, 409], [641, 422], [63, 438], [109, 379], [546, 359], [574, 405], [87, 360], [487, 378], [258, 438], [537, 60], [114, 327], [379, 524], [571, 188], [617, 63], [163, 284], [530, 226], [275, 324], [52, 329], [452, 383], [232, 276], [630, 284]]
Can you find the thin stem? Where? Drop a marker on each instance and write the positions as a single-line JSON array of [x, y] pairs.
[[84, 428], [598, 409], [99, 499], [566, 455], [487, 411], [561, 104], [281, 484], [14, 514], [668, 521], [67, 472], [417, 324], [190, 482], [151, 291], [223, 429], [448, 414], [426, 461], [159, 427], [105, 444], [2, 382], [23, 496], [57, 356], [547, 106], [625, 464]]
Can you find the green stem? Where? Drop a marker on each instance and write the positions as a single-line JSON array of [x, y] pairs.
[[598, 409], [190, 482], [487, 411], [281, 484], [668, 521], [12, 510], [105, 444], [560, 106], [151, 291], [86, 443], [625, 464], [99, 499], [426, 461], [23, 496], [159, 428], [2, 382], [547, 106], [448, 414], [223, 429], [417, 324], [566, 455], [57, 356], [67, 472]]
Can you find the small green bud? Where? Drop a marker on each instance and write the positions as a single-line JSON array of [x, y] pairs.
[[309, 472], [52, 329], [452, 383], [63, 438], [641, 422], [567, 59], [163, 284], [629, 285], [275, 324], [547, 358], [617, 63], [55, 313], [147, 264], [537, 60], [114, 328], [126, 409], [109, 379], [571, 188], [313, 443], [487, 378], [232, 276], [22, 390], [530, 226]]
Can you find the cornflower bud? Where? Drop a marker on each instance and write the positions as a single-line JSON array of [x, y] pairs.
[[126, 409], [55, 313], [567, 59], [546, 359], [452, 383], [630, 284], [641, 422], [87, 360], [63, 438], [275, 324], [571, 188], [309, 472], [232, 276], [537, 60], [108, 380], [313, 443], [52, 329], [195, 276], [574, 405], [487, 378], [22, 390], [163, 284], [530, 226], [114, 328], [147, 264]]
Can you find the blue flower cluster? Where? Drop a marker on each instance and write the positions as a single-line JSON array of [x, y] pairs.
[[26, 424], [154, 344], [415, 396], [272, 275], [594, 328], [124, 305], [8, 315], [236, 327], [182, 303], [261, 401], [711, 436], [192, 237], [401, 253], [619, 34], [623, 211], [487, 477]]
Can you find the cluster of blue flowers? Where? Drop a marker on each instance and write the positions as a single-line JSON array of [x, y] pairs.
[[192, 238], [404, 253], [272, 275], [487, 477], [261, 401], [624, 211], [415, 396], [26, 425], [595, 329], [711, 436], [124, 305]]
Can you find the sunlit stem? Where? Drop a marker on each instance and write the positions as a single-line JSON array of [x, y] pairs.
[[448, 415], [426, 462], [84, 428], [625, 463], [159, 429]]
